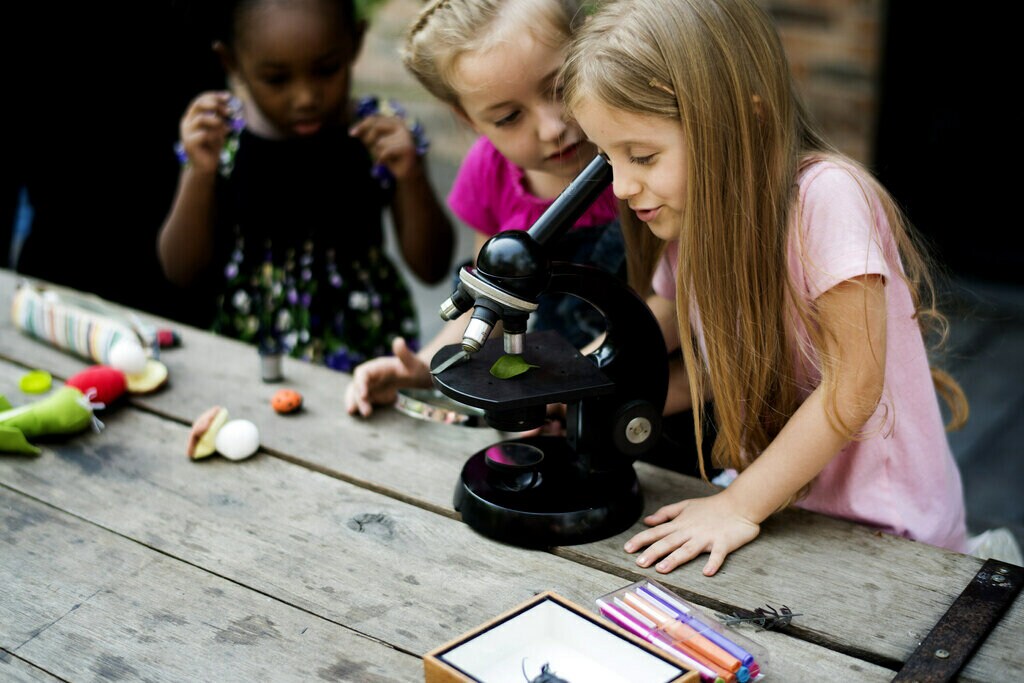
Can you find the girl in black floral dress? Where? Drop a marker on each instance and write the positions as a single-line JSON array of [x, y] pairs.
[[281, 197]]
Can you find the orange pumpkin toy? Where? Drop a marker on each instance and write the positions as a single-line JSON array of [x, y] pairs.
[[286, 401]]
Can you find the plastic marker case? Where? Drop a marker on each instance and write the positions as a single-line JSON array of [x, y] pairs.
[[717, 652]]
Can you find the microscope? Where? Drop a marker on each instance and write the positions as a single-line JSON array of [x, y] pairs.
[[541, 491]]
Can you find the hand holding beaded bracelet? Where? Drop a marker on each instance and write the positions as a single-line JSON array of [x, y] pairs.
[[369, 106], [230, 148]]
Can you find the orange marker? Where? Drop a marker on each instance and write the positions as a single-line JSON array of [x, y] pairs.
[[685, 637]]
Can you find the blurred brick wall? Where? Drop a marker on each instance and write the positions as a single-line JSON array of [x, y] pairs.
[[835, 48]]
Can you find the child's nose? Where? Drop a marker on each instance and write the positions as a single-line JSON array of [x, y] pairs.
[[551, 124], [624, 185], [306, 95]]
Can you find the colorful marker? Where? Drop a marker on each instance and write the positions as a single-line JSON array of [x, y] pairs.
[[639, 625], [688, 638], [682, 613]]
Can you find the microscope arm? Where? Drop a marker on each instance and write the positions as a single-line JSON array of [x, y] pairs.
[[513, 267]]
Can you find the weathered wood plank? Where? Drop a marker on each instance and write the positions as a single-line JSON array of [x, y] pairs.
[[384, 568], [419, 462], [16, 670], [87, 604], [866, 593]]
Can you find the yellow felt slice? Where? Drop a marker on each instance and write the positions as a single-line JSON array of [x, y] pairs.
[[149, 380]]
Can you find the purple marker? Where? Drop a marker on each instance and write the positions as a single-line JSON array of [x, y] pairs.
[[682, 613], [637, 624]]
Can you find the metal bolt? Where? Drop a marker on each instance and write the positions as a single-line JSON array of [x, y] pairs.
[[1003, 570], [942, 654], [638, 430]]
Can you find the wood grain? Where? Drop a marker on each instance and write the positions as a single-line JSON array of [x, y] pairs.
[[862, 594]]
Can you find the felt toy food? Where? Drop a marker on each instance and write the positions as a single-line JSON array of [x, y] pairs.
[[213, 432], [286, 401], [36, 382], [202, 438], [82, 324], [238, 439], [128, 356], [152, 377], [65, 411], [101, 383], [167, 338]]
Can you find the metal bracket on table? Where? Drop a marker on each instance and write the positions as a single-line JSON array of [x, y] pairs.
[[965, 625]]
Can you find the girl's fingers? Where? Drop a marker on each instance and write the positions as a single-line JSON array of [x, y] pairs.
[[718, 554], [665, 513], [680, 556], [646, 538], [667, 544]]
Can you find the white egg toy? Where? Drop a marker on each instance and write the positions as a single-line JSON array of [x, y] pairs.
[[128, 356], [238, 439]]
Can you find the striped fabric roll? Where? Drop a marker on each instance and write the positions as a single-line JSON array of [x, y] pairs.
[[78, 326]]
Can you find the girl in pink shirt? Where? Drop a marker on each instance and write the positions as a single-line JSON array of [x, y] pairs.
[[495, 62], [790, 282]]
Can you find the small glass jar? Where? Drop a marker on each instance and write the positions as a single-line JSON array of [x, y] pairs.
[[270, 366]]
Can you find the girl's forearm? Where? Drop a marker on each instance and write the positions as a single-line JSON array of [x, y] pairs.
[[424, 231], [854, 315], [185, 242], [802, 449]]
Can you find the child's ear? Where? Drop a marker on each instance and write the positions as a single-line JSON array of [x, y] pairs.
[[463, 117], [227, 58]]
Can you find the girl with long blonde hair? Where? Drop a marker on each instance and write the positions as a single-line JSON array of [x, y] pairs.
[[782, 269]]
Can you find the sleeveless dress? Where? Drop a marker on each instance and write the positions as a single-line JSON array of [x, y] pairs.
[[300, 237]]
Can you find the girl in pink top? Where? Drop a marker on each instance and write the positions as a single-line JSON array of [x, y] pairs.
[[790, 281], [495, 62]]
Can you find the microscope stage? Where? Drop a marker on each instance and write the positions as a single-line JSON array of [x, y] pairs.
[[562, 375]]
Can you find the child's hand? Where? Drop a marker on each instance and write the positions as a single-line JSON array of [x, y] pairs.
[[377, 381], [554, 425], [390, 142], [204, 128], [684, 530]]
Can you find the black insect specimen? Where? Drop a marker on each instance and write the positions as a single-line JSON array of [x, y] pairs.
[[766, 617], [546, 675]]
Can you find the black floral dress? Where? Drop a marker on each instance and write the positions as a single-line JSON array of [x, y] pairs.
[[300, 237]]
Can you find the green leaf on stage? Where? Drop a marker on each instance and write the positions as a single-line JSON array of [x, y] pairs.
[[510, 365]]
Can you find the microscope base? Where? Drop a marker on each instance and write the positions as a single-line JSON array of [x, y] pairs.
[[550, 502]]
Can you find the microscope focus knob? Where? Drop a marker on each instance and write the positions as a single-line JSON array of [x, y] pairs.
[[636, 428]]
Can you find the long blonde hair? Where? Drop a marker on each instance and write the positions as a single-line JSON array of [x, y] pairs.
[[719, 69], [446, 30]]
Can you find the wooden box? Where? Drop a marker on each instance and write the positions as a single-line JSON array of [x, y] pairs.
[[550, 631]]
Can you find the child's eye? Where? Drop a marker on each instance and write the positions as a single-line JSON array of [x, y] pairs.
[[327, 70], [507, 120], [642, 161], [274, 79]]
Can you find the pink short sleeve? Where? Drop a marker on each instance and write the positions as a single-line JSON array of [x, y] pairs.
[[838, 238]]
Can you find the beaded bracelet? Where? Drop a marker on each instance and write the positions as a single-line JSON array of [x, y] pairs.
[[230, 148], [370, 105]]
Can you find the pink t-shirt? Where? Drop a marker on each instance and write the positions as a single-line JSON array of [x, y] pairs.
[[903, 478], [489, 194]]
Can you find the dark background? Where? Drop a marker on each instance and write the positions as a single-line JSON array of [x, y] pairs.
[[948, 143]]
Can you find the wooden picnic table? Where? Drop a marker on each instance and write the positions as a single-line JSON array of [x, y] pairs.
[[335, 553]]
